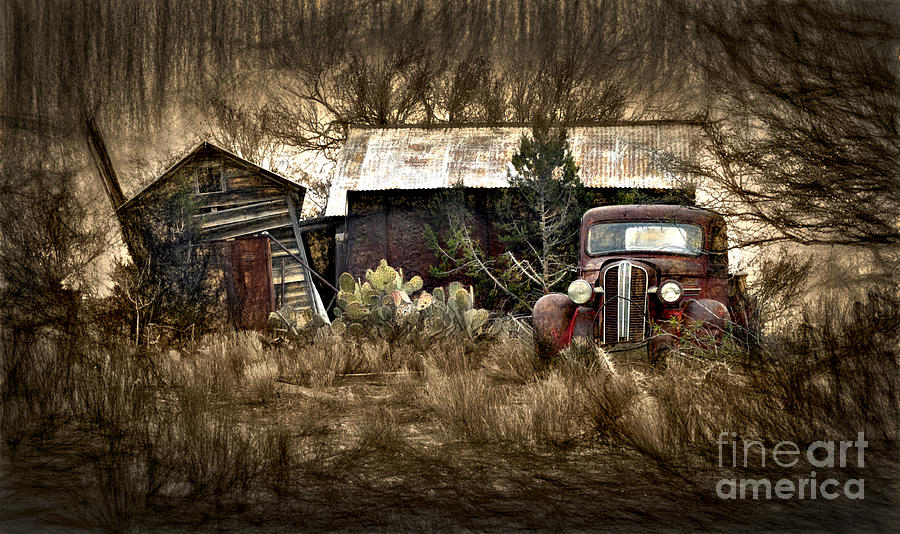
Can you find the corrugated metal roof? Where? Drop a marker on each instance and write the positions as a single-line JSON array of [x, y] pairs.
[[429, 158]]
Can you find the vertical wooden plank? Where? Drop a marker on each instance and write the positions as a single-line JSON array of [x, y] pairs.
[[311, 291], [282, 283]]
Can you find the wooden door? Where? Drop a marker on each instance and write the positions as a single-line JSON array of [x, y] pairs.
[[248, 282]]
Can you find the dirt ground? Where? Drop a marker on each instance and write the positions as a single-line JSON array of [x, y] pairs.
[[371, 464]]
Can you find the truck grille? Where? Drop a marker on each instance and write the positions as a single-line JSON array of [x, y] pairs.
[[625, 296]]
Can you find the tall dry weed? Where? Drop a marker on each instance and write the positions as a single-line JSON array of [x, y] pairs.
[[217, 457], [553, 411], [259, 378], [162, 426], [35, 384], [512, 359], [837, 370], [467, 404]]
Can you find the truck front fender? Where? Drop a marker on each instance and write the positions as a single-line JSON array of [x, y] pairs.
[[551, 318], [711, 314]]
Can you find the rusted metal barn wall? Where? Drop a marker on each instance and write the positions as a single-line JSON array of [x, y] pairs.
[[391, 224], [385, 179]]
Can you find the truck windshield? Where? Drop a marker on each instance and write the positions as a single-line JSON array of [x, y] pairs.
[[604, 238]]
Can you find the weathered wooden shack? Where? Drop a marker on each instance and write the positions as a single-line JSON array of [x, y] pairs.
[[386, 178], [232, 202]]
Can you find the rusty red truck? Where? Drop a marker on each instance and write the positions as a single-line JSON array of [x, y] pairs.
[[643, 272]]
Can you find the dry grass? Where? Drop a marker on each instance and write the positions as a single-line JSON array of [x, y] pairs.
[[210, 427]]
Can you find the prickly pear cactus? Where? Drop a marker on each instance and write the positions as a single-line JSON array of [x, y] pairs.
[[387, 306], [414, 284], [453, 288], [346, 283], [355, 311], [384, 278], [475, 321], [438, 295], [424, 300]]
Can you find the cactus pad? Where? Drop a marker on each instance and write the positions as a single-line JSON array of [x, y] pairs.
[[384, 278], [414, 284], [346, 283], [463, 300], [438, 295], [453, 288], [475, 320], [424, 300], [381, 306], [356, 311]]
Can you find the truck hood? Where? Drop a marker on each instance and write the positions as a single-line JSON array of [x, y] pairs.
[[666, 265]]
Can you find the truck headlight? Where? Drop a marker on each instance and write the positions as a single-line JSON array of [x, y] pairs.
[[670, 291], [580, 291]]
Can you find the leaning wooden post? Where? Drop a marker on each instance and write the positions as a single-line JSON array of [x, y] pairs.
[[281, 298]]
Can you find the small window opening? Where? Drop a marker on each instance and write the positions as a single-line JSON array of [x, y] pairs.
[[209, 180]]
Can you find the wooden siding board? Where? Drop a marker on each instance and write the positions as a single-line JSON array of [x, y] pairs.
[[285, 234], [242, 180], [297, 302], [242, 214], [288, 278], [230, 199], [248, 228], [291, 273], [207, 154], [277, 252]]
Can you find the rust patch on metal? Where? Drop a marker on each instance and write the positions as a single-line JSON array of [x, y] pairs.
[[551, 318]]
